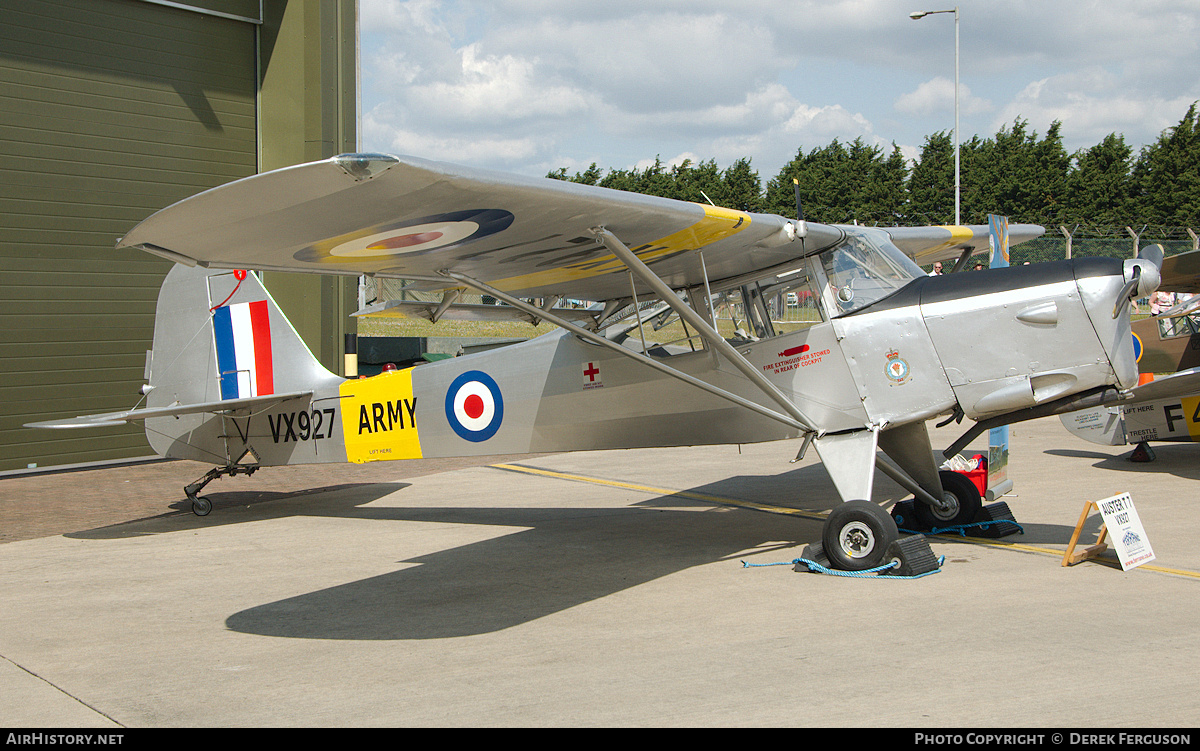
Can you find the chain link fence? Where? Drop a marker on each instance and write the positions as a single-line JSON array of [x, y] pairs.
[[1115, 242]]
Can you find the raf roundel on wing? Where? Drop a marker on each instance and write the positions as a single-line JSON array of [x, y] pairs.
[[410, 236]]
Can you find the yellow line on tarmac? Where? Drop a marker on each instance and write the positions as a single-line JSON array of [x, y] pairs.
[[664, 491], [1059, 554], [797, 512]]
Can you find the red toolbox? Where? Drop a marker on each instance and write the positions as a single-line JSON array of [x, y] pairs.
[[979, 475]]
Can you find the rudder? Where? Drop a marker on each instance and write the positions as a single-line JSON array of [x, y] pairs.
[[218, 335]]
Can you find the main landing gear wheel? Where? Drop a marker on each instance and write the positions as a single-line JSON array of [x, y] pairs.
[[856, 536], [201, 506], [963, 503]]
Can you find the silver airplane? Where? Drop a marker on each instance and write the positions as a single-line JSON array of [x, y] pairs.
[[231, 383], [1167, 407]]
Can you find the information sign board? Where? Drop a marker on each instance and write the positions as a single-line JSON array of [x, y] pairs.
[[1125, 531]]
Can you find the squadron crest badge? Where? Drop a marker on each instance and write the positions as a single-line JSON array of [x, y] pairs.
[[896, 368]]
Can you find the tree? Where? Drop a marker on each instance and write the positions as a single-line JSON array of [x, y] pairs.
[[1166, 177], [931, 182], [824, 185], [742, 187], [882, 196], [590, 176], [736, 187], [1099, 185], [1016, 173]]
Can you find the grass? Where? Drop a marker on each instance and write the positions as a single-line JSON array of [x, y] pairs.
[[423, 328]]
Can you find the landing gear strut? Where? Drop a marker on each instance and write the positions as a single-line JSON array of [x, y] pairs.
[[201, 506]]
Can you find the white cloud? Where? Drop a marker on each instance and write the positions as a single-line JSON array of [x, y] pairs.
[[463, 149], [494, 89], [1092, 104], [650, 60], [937, 97], [530, 85]]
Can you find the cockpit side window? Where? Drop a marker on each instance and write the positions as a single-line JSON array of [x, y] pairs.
[[863, 269], [1178, 326]]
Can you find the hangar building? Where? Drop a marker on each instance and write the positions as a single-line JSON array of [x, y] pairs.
[[109, 111]]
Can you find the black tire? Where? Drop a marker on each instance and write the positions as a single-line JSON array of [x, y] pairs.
[[964, 498], [201, 506], [856, 536]]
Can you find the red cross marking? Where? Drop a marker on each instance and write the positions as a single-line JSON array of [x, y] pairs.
[[591, 372]]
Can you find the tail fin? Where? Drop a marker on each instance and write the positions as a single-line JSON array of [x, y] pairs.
[[219, 337]]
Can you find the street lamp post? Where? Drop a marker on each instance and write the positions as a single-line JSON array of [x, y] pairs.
[[957, 183]]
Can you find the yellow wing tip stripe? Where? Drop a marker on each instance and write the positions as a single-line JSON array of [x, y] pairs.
[[717, 224]]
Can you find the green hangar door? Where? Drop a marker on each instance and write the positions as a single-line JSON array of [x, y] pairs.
[[109, 111]]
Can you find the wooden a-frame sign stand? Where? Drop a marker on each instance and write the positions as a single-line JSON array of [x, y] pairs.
[[1070, 558]]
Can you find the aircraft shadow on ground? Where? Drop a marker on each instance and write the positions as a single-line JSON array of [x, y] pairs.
[[1178, 459], [561, 557], [556, 559], [239, 507]]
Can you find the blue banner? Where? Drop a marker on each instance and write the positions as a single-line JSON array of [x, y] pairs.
[[998, 482]]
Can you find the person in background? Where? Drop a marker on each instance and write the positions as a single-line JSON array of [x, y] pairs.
[[1160, 302], [937, 269]]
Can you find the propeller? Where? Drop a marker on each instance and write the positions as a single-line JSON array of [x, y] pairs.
[[1142, 276], [1153, 254], [799, 208], [800, 228]]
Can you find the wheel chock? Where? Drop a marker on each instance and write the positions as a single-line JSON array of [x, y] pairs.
[[914, 554], [993, 521], [812, 552], [905, 515], [1006, 523], [1142, 453]]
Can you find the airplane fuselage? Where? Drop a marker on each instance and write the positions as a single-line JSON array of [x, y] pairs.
[[986, 342]]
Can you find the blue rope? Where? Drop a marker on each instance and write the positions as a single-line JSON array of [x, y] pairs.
[[871, 573], [962, 528]]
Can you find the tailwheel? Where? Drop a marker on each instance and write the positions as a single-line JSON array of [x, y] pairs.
[[962, 503], [201, 506], [857, 535]]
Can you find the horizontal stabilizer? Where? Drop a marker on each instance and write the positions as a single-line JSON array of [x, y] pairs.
[[1181, 273], [109, 419], [464, 312], [1183, 383], [1105, 424], [1100, 425]]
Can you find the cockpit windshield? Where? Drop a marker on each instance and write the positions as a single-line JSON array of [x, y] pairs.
[[864, 268]]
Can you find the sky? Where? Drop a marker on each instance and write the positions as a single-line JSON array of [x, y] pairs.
[[529, 86]]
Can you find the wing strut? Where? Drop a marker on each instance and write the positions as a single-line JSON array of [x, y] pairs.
[[710, 334], [602, 341]]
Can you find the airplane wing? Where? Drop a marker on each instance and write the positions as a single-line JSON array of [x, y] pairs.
[[1105, 424], [928, 244], [224, 406], [1183, 383], [1181, 273], [410, 218], [465, 312]]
